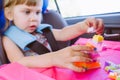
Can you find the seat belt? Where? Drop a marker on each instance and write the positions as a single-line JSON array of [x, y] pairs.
[[51, 39], [40, 48]]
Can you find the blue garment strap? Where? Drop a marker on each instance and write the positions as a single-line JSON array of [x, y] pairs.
[[22, 38]]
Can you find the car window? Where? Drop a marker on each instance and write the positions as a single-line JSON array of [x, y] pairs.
[[73, 8]]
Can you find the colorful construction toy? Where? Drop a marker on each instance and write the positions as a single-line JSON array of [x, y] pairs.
[[94, 43], [113, 70]]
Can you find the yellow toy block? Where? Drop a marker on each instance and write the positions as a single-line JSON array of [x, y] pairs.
[[98, 38]]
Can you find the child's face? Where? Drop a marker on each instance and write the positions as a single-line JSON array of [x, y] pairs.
[[26, 17]]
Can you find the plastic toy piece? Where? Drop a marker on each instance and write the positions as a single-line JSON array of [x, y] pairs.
[[90, 45], [112, 75], [98, 38], [88, 65], [113, 70], [91, 30], [111, 67], [118, 77], [95, 44]]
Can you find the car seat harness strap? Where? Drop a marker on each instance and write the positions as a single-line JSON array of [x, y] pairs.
[[27, 41]]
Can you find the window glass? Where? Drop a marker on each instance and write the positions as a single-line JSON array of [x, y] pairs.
[[72, 8], [52, 5]]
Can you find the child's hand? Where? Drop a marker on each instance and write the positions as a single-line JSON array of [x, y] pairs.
[[65, 57], [97, 24]]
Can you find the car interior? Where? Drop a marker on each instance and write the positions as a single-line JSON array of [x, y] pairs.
[[112, 27], [57, 22]]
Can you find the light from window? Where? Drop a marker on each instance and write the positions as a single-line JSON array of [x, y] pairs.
[[72, 8]]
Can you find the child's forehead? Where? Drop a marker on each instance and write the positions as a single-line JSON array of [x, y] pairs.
[[24, 7]]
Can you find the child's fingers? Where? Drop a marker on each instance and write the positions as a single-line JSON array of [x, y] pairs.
[[100, 26], [81, 48], [81, 53], [75, 68], [80, 59]]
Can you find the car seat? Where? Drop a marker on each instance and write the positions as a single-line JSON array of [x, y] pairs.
[[49, 17], [3, 58], [53, 18]]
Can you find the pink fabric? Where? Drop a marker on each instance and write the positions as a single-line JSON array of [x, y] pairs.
[[16, 71], [56, 73]]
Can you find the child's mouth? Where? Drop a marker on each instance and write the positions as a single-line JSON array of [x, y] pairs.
[[33, 27]]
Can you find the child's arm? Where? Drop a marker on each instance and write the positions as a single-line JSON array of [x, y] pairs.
[[61, 58], [79, 28], [14, 54]]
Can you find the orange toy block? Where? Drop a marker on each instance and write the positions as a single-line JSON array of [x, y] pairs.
[[88, 65], [90, 45], [112, 75]]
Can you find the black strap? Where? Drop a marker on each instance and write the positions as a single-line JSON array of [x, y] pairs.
[[40, 48], [51, 39]]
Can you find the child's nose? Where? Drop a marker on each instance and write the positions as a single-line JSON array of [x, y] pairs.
[[34, 18]]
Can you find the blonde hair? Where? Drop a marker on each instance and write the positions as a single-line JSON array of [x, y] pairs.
[[11, 3]]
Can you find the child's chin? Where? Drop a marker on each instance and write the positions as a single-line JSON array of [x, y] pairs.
[[32, 31]]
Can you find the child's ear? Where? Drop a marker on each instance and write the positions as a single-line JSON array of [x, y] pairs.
[[9, 14]]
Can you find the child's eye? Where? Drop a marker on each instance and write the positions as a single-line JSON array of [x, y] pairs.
[[27, 12], [38, 12]]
